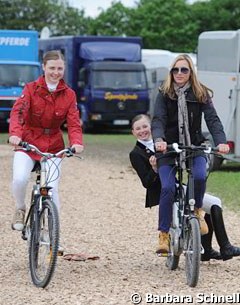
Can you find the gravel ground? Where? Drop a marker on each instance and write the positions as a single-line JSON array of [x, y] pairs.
[[103, 215]]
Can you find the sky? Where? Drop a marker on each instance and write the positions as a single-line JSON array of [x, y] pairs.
[[91, 7]]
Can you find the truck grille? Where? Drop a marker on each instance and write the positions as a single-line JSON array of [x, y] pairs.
[[120, 107]]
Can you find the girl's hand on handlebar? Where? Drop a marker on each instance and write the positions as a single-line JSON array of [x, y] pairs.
[[223, 148], [77, 148], [161, 146], [14, 140]]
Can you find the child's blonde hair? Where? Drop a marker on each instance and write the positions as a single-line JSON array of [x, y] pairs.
[[139, 117]]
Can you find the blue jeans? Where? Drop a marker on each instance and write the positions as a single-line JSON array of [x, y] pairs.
[[167, 175]]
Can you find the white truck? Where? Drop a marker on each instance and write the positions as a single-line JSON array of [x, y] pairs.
[[218, 67], [157, 63]]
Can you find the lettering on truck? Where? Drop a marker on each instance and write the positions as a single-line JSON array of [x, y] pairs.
[[14, 41], [122, 97]]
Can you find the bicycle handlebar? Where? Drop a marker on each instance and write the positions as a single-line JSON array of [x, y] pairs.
[[29, 147], [178, 148]]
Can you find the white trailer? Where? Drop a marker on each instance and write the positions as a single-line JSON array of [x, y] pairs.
[[218, 62], [157, 63]]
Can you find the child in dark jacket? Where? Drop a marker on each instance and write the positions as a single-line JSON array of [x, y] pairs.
[[143, 160]]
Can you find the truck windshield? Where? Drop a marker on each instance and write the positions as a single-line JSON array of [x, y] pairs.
[[17, 75], [119, 80]]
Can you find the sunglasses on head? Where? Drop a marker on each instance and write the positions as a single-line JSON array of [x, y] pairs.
[[183, 70]]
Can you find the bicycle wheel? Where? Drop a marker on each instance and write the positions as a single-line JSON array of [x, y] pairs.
[[173, 258], [192, 251], [44, 242]]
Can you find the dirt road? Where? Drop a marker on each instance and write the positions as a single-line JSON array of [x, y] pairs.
[[103, 214]]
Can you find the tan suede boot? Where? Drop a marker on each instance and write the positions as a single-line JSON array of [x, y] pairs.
[[202, 223], [163, 246]]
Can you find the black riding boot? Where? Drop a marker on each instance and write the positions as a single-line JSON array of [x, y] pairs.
[[226, 249], [209, 252]]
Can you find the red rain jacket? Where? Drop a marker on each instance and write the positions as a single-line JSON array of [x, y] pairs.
[[38, 114]]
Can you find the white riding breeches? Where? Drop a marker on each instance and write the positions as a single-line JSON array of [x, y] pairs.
[[208, 201], [22, 167]]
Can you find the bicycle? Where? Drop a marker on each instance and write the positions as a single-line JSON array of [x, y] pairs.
[[41, 227], [184, 232]]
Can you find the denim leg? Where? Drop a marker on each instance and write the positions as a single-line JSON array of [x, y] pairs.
[[167, 176], [199, 174]]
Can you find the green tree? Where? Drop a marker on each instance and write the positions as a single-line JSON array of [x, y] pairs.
[[165, 25], [114, 21], [173, 25], [217, 15], [35, 14]]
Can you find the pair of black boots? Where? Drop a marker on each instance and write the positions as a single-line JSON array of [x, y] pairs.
[[215, 222]]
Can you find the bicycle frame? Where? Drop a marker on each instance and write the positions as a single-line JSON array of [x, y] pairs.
[[40, 190], [184, 204], [185, 229], [41, 227]]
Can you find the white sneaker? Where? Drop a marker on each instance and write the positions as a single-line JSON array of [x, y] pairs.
[[18, 220]]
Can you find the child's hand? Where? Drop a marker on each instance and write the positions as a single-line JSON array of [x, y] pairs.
[[153, 162], [161, 146]]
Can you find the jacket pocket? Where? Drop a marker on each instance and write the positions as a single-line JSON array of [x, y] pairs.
[[60, 114]]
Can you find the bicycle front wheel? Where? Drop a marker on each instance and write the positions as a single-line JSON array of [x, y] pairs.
[[173, 258], [192, 251], [43, 248]]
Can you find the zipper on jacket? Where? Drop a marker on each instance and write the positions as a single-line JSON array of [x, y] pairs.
[[191, 119]]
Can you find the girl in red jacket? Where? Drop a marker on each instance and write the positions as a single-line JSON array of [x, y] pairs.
[[36, 117]]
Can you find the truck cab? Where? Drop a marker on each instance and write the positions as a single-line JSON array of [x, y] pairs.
[[107, 75], [18, 65]]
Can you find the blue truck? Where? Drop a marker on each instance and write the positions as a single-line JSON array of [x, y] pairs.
[[107, 75], [19, 65]]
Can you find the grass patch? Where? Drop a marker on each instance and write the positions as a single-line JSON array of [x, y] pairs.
[[107, 139], [3, 138], [225, 185]]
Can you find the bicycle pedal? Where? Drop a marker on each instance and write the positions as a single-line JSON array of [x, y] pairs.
[[24, 236], [60, 253]]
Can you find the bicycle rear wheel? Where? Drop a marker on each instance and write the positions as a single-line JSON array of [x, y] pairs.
[[192, 251], [44, 242]]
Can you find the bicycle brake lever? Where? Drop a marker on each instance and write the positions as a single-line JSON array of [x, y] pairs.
[[69, 154], [208, 150], [176, 147]]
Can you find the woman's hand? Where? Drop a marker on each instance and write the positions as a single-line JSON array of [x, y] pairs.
[[161, 146], [223, 148], [78, 148], [14, 140]]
